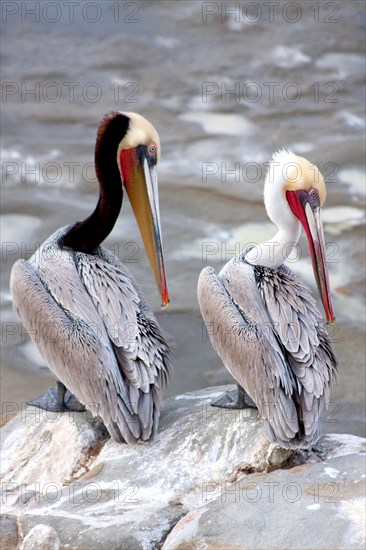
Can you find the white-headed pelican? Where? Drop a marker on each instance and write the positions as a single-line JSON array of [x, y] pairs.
[[263, 321]]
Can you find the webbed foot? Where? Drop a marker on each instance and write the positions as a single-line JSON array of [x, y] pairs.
[[236, 399], [57, 400]]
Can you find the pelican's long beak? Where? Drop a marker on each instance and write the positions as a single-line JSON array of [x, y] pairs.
[[141, 184], [308, 212]]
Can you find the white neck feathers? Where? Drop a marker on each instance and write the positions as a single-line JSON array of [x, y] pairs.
[[274, 252]]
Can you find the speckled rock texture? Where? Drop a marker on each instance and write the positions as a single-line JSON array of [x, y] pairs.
[[209, 480]]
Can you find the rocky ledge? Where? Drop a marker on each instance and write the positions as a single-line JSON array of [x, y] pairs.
[[210, 480]]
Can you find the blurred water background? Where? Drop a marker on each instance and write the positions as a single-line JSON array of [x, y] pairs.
[[226, 84]]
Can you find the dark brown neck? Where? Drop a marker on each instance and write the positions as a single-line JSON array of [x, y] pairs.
[[87, 235]]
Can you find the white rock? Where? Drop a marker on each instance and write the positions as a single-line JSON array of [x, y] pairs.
[[40, 538], [40, 451], [97, 494]]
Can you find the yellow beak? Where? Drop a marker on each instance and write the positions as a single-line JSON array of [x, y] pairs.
[[141, 185]]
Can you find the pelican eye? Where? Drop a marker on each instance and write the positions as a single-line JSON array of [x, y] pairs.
[[313, 198], [152, 149]]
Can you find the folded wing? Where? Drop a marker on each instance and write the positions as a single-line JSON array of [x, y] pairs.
[[96, 334]]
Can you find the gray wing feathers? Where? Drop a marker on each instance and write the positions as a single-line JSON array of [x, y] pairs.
[[310, 356], [109, 350], [292, 310], [275, 347], [67, 342], [137, 341], [245, 346]]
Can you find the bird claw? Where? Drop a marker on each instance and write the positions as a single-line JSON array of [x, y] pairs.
[[236, 399], [50, 401]]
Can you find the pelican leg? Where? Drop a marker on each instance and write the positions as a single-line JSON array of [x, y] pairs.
[[57, 399], [236, 399]]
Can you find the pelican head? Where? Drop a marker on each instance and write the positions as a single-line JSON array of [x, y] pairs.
[[303, 191], [138, 153]]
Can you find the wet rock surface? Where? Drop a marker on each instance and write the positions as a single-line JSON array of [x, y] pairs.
[[209, 480], [283, 509]]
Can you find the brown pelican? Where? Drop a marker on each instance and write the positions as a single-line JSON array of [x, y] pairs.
[[263, 322], [83, 309]]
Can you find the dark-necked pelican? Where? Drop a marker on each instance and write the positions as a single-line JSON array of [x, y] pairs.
[[83, 309], [263, 322]]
